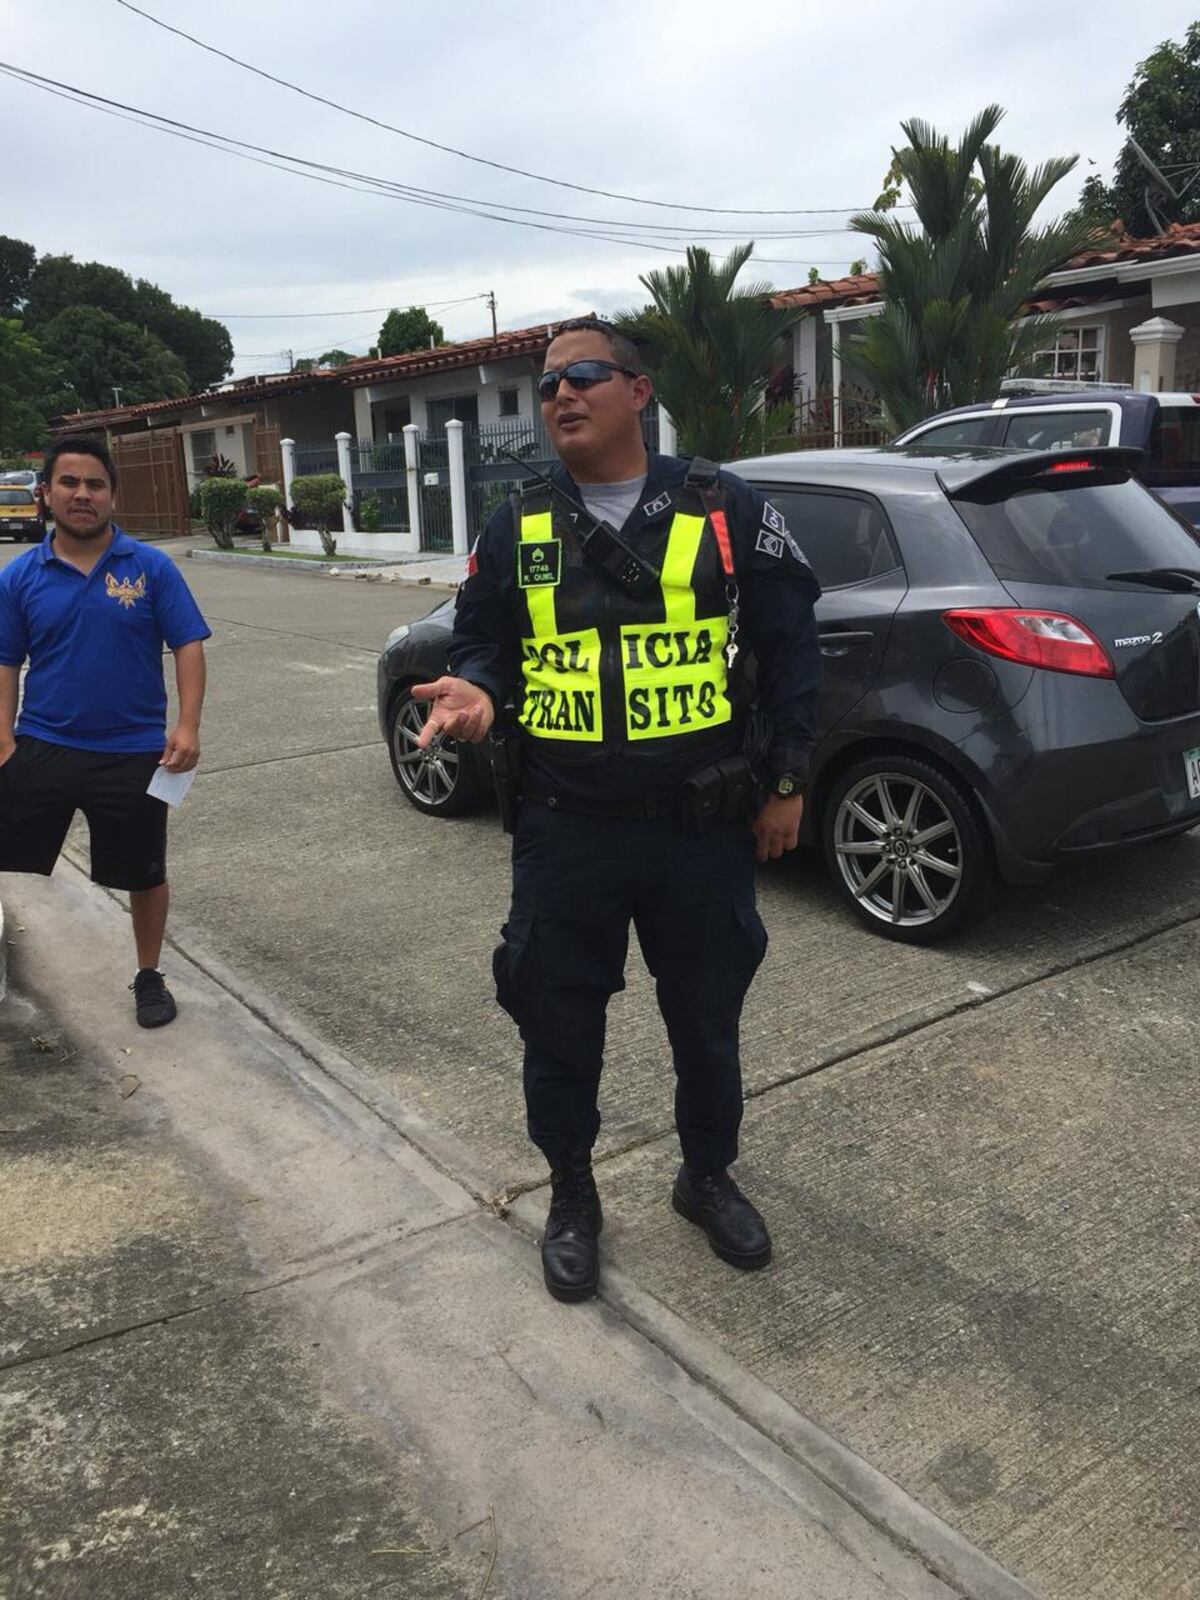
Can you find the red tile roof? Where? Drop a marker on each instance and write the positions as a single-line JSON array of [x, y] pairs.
[[415, 363], [366, 369], [1180, 239], [829, 292]]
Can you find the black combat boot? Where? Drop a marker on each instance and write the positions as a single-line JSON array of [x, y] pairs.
[[714, 1202], [570, 1252]]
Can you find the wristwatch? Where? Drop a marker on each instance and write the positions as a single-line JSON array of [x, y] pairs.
[[786, 784]]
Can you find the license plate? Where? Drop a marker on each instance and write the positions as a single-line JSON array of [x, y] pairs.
[[1191, 762]]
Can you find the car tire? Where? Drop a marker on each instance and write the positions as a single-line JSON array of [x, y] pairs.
[[443, 782], [907, 849]]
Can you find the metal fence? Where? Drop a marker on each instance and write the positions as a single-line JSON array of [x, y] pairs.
[[378, 472], [315, 455], [816, 421]]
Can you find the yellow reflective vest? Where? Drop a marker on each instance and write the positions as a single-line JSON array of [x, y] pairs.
[[600, 667]]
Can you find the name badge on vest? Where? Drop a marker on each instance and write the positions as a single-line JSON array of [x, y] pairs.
[[539, 563]]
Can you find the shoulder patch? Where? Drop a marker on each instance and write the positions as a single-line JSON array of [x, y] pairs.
[[773, 519], [769, 543], [653, 507]]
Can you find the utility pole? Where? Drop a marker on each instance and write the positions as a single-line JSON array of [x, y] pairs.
[[491, 300], [116, 392], [290, 360]]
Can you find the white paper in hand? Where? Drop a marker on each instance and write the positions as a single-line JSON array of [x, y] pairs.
[[170, 786]]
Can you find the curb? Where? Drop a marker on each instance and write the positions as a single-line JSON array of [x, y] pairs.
[[314, 569]]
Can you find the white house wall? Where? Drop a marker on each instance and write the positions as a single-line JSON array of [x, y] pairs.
[[515, 373]]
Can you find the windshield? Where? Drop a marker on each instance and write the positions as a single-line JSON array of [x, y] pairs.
[[1077, 534], [15, 497]]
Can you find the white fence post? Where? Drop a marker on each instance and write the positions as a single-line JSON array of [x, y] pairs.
[[458, 486], [412, 478], [288, 452], [668, 439], [346, 474]]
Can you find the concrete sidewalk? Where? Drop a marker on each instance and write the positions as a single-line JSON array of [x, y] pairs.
[[254, 1342]]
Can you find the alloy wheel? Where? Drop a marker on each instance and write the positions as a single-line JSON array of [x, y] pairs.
[[430, 775], [898, 849]]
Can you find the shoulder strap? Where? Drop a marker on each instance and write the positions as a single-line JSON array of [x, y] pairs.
[[702, 476]]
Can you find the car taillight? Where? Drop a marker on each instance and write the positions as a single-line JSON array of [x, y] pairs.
[[1047, 639]]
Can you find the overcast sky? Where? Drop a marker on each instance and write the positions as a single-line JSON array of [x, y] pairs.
[[772, 104]]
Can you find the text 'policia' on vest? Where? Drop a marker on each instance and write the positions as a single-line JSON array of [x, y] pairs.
[[602, 666]]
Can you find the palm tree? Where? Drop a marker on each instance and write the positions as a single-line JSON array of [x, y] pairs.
[[954, 288], [710, 349]]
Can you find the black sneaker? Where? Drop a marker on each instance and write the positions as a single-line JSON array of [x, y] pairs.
[[714, 1202], [154, 1001], [570, 1248]]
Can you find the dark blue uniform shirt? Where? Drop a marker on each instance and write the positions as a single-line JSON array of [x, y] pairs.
[[95, 642]]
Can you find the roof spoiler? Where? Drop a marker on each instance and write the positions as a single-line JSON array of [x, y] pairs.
[[1007, 471]]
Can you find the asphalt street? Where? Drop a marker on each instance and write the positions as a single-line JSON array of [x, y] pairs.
[[978, 1160]]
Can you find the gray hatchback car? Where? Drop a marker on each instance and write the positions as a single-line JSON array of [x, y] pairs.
[[1011, 644]]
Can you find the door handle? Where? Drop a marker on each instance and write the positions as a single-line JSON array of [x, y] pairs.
[[839, 641]]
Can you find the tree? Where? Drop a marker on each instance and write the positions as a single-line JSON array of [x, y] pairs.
[[955, 285], [202, 344], [26, 379], [321, 496], [1161, 110], [711, 349], [96, 353], [222, 501], [335, 358], [17, 261], [59, 282], [305, 364], [413, 329], [266, 502]]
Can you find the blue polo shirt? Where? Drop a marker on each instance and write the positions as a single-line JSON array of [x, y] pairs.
[[95, 643]]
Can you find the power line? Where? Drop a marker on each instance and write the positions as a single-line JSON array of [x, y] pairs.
[[465, 155], [363, 311], [361, 183]]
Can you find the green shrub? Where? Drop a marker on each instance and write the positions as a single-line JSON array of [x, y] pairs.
[[266, 502], [222, 500], [321, 496], [370, 513]]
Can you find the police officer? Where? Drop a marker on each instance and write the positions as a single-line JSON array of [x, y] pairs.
[[625, 661]]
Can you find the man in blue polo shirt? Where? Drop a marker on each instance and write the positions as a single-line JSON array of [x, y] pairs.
[[91, 610]]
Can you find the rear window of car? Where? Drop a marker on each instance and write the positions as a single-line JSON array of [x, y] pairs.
[[844, 536], [963, 431], [15, 497], [1175, 444], [1076, 534], [1058, 430]]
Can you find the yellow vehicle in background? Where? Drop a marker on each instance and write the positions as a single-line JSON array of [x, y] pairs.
[[20, 509]]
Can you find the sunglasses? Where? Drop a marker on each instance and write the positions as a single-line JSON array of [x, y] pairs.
[[580, 375]]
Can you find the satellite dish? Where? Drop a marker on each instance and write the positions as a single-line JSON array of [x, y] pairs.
[[1161, 187], [1164, 184]]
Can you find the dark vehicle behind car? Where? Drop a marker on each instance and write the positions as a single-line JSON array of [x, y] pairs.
[[1051, 416], [1011, 645]]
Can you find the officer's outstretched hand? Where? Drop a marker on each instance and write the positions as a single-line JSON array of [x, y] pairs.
[[461, 709], [777, 826]]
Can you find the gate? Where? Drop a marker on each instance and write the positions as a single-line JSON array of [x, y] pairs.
[[437, 531], [151, 484], [268, 457], [379, 478]]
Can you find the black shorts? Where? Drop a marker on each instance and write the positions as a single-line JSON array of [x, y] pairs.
[[42, 785]]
